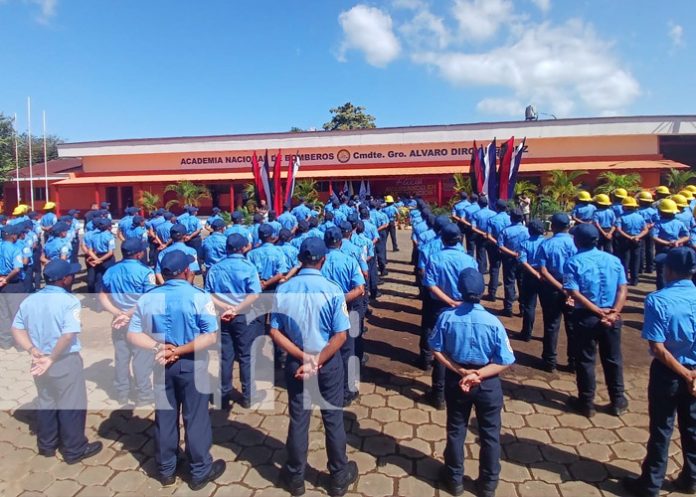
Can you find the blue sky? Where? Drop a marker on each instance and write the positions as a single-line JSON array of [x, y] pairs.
[[129, 68]]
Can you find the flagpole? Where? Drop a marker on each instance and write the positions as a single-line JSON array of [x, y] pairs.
[[16, 144], [45, 157], [31, 172]]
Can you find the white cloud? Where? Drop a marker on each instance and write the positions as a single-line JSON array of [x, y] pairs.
[[676, 34], [369, 30], [501, 107], [542, 5], [426, 30], [47, 10], [480, 20]]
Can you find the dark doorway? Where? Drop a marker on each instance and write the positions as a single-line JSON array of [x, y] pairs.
[[112, 198], [126, 197]]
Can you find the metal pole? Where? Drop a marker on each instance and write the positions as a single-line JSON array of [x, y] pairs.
[[31, 172], [45, 158], [16, 144]]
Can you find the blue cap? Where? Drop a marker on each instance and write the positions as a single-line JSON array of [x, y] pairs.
[[168, 215], [303, 225], [536, 227], [66, 219], [174, 262], [346, 227], [312, 249], [105, 205], [132, 246], [216, 210], [73, 212], [103, 213], [60, 227], [131, 210], [681, 260], [470, 284], [236, 242], [441, 221], [160, 211], [137, 220], [265, 232], [237, 216], [332, 236], [102, 223], [57, 269], [13, 229], [353, 218], [586, 234], [450, 233], [217, 224], [560, 219], [32, 214], [177, 230], [192, 209]]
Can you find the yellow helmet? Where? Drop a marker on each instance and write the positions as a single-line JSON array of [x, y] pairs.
[[663, 190], [691, 188], [389, 199], [680, 200], [667, 206], [687, 194], [629, 202], [49, 205], [20, 210], [620, 193], [602, 199], [645, 196], [584, 196]]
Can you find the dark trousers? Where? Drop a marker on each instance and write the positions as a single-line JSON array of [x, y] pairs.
[[75, 249], [647, 257], [359, 340], [236, 338], [605, 244], [468, 238], [629, 253], [481, 254], [176, 394], [11, 296], [348, 348], [152, 254], [372, 277], [427, 323], [435, 308], [590, 334], [36, 267], [392, 235], [529, 291], [494, 261], [381, 251], [197, 244], [62, 407], [329, 381], [143, 361], [512, 276], [668, 394], [95, 274], [487, 399], [659, 269], [553, 309]]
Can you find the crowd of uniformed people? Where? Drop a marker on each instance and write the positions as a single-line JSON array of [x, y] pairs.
[[321, 269]]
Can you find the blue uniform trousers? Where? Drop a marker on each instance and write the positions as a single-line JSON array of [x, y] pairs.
[[236, 339], [143, 361], [381, 251], [629, 253], [668, 394], [589, 335], [11, 296], [75, 248], [427, 323], [512, 276], [647, 257], [660, 268], [553, 309], [481, 254], [177, 393], [529, 292], [487, 399], [152, 254], [438, 374], [372, 277], [359, 340], [348, 348], [62, 407], [605, 244], [197, 245], [392, 235], [95, 275], [330, 386], [494, 262], [36, 267], [468, 238]]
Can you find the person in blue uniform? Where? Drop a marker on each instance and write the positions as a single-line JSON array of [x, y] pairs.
[[289, 250], [177, 233], [510, 244], [583, 210], [47, 326], [105, 206], [257, 221], [58, 245], [311, 322], [669, 327], [214, 247], [123, 284], [479, 225], [177, 322], [531, 282], [441, 279], [470, 236], [215, 214], [667, 232], [553, 255], [392, 213], [125, 222], [273, 221], [235, 285], [495, 226], [328, 221], [604, 219], [48, 219], [287, 220], [75, 234], [300, 234], [268, 259], [631, 229], [12, 284], [596, 281], [381, 221], [100, 248], [163, 231], [372, 234], [156, 219], [238, 226], [314, 228], [473, 345], [649, 214], [194, 227], [301, 212]]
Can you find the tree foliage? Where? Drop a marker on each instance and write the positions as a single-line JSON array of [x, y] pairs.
[[610, 181], [149, 201], [187, 192], [678, 179], [348, 116], [563, 187], [307, 189]]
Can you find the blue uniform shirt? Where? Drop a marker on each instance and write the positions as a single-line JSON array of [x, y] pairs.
[[459, 209], [554, 253], [370, 230], [471, 335], [669, 229], [670, 318], [326, 225], [583, 212], [176, 313], [687, 217], [10, 258], [595, 274], [127, 281], [391, 212], [214, 248], [287, 221], [100, 242], [481, 218], [154, 222], [276, 227], [137, 232], [57, 248], [364, 243], [357, 253], [301, 212], [48, 315], [211, 219], [194, 266], [309, 310], [530, 251], [445, 266], [605, 218], [343, 270], [513, 236], [192, 223], [631, 222], [498, 223], [426, 251], [48, 220], [232, 279], [291, 254], [649, 214], [617, 208], [470, 210], [269, 260], [297, 241], [163, 231], [124, 224], [239, 229]]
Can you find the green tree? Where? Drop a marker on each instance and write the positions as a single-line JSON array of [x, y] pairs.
[[295, 129], [307, 189], [149, 201], [188, 193], [525, 186], [611, 181], [462, 183], [562, 187], [348, 116], [677, 179]]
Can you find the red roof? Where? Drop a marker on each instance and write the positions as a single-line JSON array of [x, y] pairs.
[[57, 167]]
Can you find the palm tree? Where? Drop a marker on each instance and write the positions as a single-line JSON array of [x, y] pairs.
[[188, 193], [249, 191], [562, 187], [462, 183], [306, 189], [611, 181], [524, 186], [149, 201], [677, 179]]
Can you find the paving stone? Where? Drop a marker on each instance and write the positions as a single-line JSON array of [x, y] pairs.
[[379, 446], [385, 414], [511, 420], [262, 476], [570, 420], [414, 416], [37, 482], [439, 418], [600, 435], [567, 436], [62, 489], [543, 421], [550, 472], [591, 471], [629, 450], [603, 420], [127, 481], [414, 449], [623, 467], [430, 432], [400, 402], [519, 407], [124, 462], [579, 489], [95, 475], [366, 462], [631, 434], [522, 452], [597, 452], [537, 489], [395, 466], [513, 472], [398, 430], [559, 453], [372, 400], [375, 485], [95, 491], [533, 435], [413, 487]]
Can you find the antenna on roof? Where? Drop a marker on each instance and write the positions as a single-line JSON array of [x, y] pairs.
[[530, 114]]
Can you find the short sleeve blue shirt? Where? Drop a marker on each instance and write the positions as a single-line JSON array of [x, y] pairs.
[[481, 218], [530, 251], [343, 270], [513, 236], [232, 279], [583, 212], [163, 231], [194, 266], [595, 274], [445, 266], [554, 253], [100, 241], [214, 248], [631, 222], [669, 229], [605, 218], [241, 230], [269, 260], [291, 254], [498, 223], [287, 221], [127, 281], [57, 247], [357, 253], [10, 258]]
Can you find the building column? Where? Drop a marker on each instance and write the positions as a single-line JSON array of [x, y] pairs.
[[56, 196], [232, 199], [439, 191], [96, 195]]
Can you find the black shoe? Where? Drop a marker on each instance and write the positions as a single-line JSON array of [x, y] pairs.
[[636, 486], [524, 338], [167, 481], [47, 452], [488, 298], [92, 449], [245, 403], [450, 485], [619, 407], [395, 250], [350, 398], [571, 366], [385, 273], [549, 368], [681, 485], [482, 490], [216, 470], [295, 486], [506, 313], [338, 489], [581, 408]]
